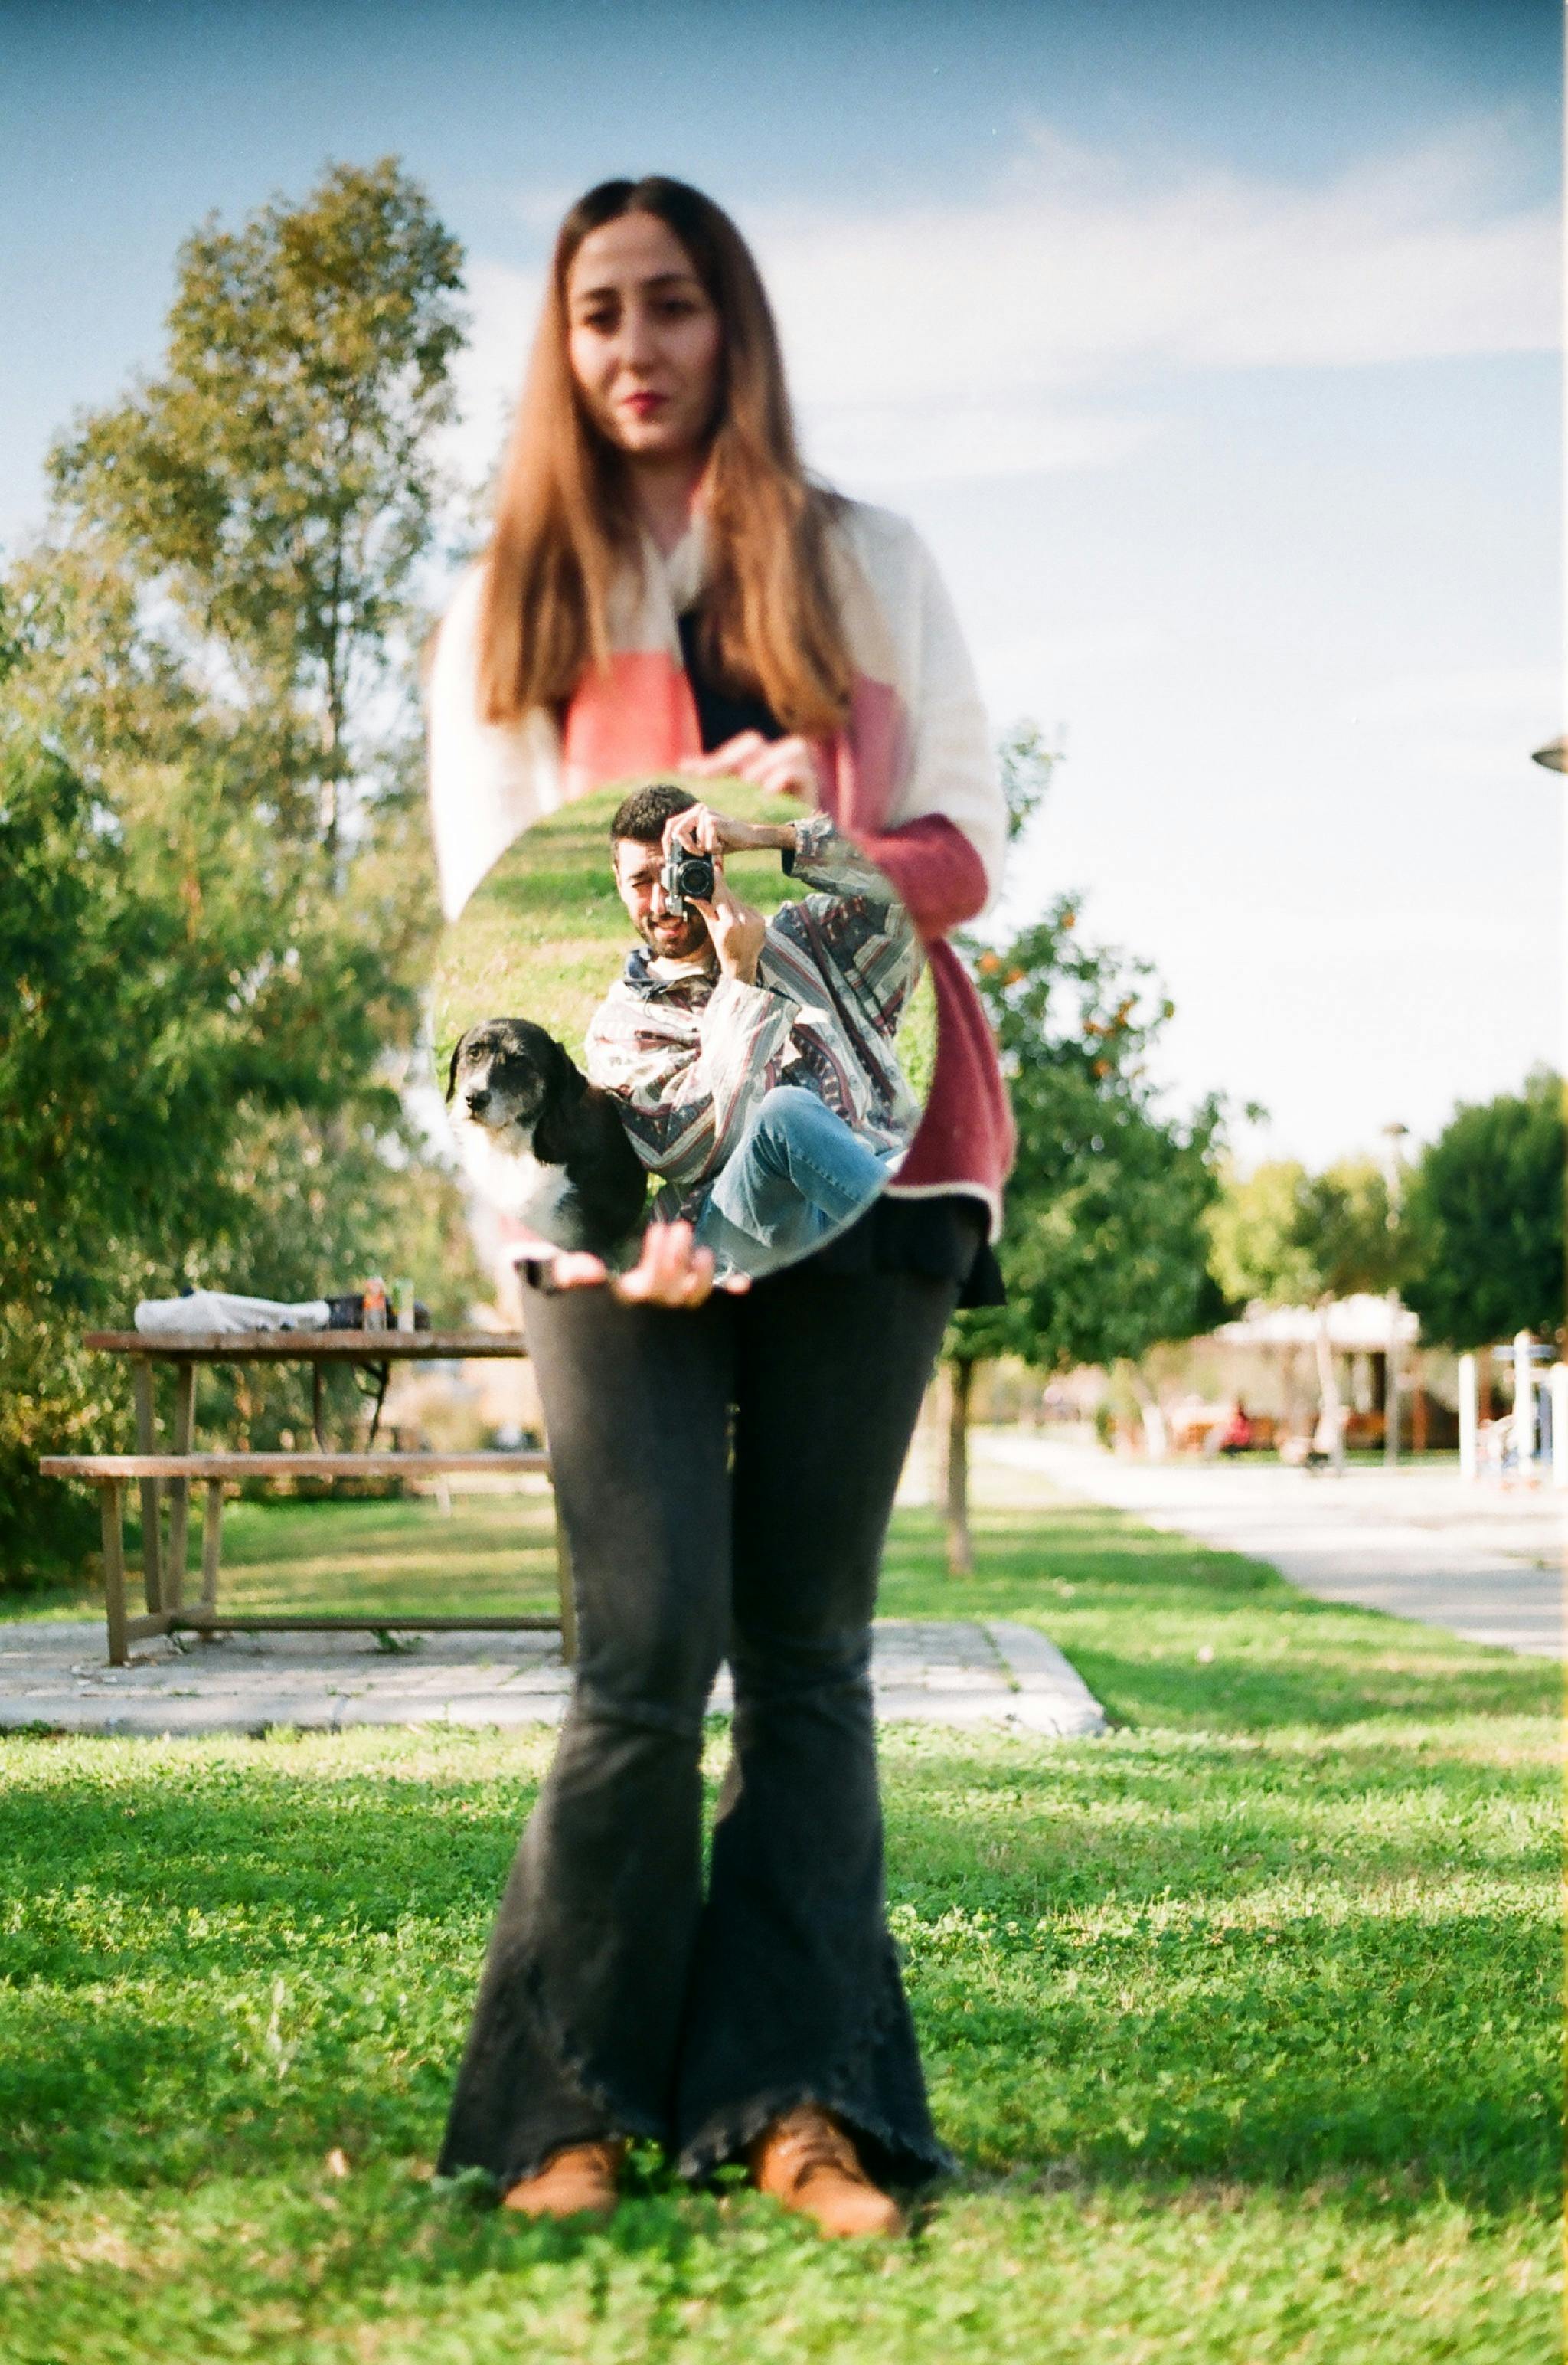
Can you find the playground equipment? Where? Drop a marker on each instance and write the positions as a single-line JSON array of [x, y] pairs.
[[1528, 1446]]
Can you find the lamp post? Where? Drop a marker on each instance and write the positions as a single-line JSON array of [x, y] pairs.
[[1394, 1175]]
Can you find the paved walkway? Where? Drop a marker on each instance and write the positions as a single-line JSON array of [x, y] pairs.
[[55, 1674], [1415, 1540]]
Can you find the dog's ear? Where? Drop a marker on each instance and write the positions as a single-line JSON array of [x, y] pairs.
[[451, 1070], [565, 1086], [567, 1078]]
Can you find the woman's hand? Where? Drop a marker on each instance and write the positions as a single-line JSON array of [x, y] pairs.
[[670, 1272], [784, 767]]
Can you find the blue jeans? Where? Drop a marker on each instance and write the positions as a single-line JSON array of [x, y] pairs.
[[796, 1175]]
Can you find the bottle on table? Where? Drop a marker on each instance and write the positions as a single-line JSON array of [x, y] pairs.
[[375, 1315]]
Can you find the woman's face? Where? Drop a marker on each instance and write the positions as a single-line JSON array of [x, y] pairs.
[[643, 338]]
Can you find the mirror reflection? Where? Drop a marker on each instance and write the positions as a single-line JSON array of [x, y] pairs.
[[683, 999]]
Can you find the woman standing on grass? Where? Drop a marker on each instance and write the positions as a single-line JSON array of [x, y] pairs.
[[664, 590]]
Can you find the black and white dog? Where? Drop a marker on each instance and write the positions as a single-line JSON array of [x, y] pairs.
[[539, 1141]]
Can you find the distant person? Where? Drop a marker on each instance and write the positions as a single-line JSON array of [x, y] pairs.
[[664, 590], [1237, 1436]]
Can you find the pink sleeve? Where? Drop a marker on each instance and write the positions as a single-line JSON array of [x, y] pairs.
[[935, 868]]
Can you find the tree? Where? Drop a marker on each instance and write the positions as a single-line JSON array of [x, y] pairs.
[[185, 1021], [278, 482], [1483, 1219], [217, 988], [1104, 1250], [1287, 1238]]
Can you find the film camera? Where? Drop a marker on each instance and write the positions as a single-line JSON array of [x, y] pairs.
[[686, 875]]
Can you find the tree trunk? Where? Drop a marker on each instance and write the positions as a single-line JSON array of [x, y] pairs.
[[331, 780], [1418, 1417], [1155, 1436], [960, 1553], [333, 727]]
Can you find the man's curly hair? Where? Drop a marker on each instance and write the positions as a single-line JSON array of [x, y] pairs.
[[641, 817]]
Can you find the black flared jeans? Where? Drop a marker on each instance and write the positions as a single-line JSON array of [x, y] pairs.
[[726, 1477]]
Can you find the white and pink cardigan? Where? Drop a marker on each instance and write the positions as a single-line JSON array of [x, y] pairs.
[[910, 777]]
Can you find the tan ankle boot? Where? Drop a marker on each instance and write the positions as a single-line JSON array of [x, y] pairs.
[[579, 2181], [807, 2161]]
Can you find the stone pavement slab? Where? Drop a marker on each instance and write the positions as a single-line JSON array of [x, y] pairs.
[[1415, 1540], [53, 1674]]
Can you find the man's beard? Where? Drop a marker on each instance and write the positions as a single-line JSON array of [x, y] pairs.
[[684, 941]]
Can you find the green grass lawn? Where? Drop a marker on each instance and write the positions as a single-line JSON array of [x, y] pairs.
[[1242, 2019]]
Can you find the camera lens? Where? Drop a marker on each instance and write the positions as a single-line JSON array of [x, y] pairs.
[[683, 877], [696, 876]]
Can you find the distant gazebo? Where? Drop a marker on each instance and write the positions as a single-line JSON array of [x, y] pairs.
[[1357, 1326], [1360, 1328]]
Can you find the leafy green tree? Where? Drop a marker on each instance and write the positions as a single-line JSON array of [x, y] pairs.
[[1255, 1252], [278, 481], [1288, 1237], [186, 1031], [1483, 1219], [1104, 1247], [131, 1047], [219, 986]]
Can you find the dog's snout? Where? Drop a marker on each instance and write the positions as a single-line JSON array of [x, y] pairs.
[[478, 1099]]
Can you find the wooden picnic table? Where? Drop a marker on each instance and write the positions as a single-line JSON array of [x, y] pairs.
[[165, 1473]]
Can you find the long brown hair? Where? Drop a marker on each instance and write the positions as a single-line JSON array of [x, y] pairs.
[[564, 527]]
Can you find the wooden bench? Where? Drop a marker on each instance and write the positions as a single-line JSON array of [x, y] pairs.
[[166, 1611]]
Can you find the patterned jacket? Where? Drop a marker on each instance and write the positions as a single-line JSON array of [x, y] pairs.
[[690, 1057]]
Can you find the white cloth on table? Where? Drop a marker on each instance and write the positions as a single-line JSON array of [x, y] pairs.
[[217, 1310]]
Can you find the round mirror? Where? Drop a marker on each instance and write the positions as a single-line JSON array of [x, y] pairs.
[[683, 999]]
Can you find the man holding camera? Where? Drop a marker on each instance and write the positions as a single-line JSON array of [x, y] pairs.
[[755, 1058]]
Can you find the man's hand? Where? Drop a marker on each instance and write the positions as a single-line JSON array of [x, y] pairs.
[[736, 930], [784, 767], [702, 831], [670, 1272]]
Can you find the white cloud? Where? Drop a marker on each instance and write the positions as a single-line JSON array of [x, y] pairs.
[[936, 442], [1005, 335], [1063, 279]]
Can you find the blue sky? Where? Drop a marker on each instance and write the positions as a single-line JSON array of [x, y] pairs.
[[1211, 348]]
